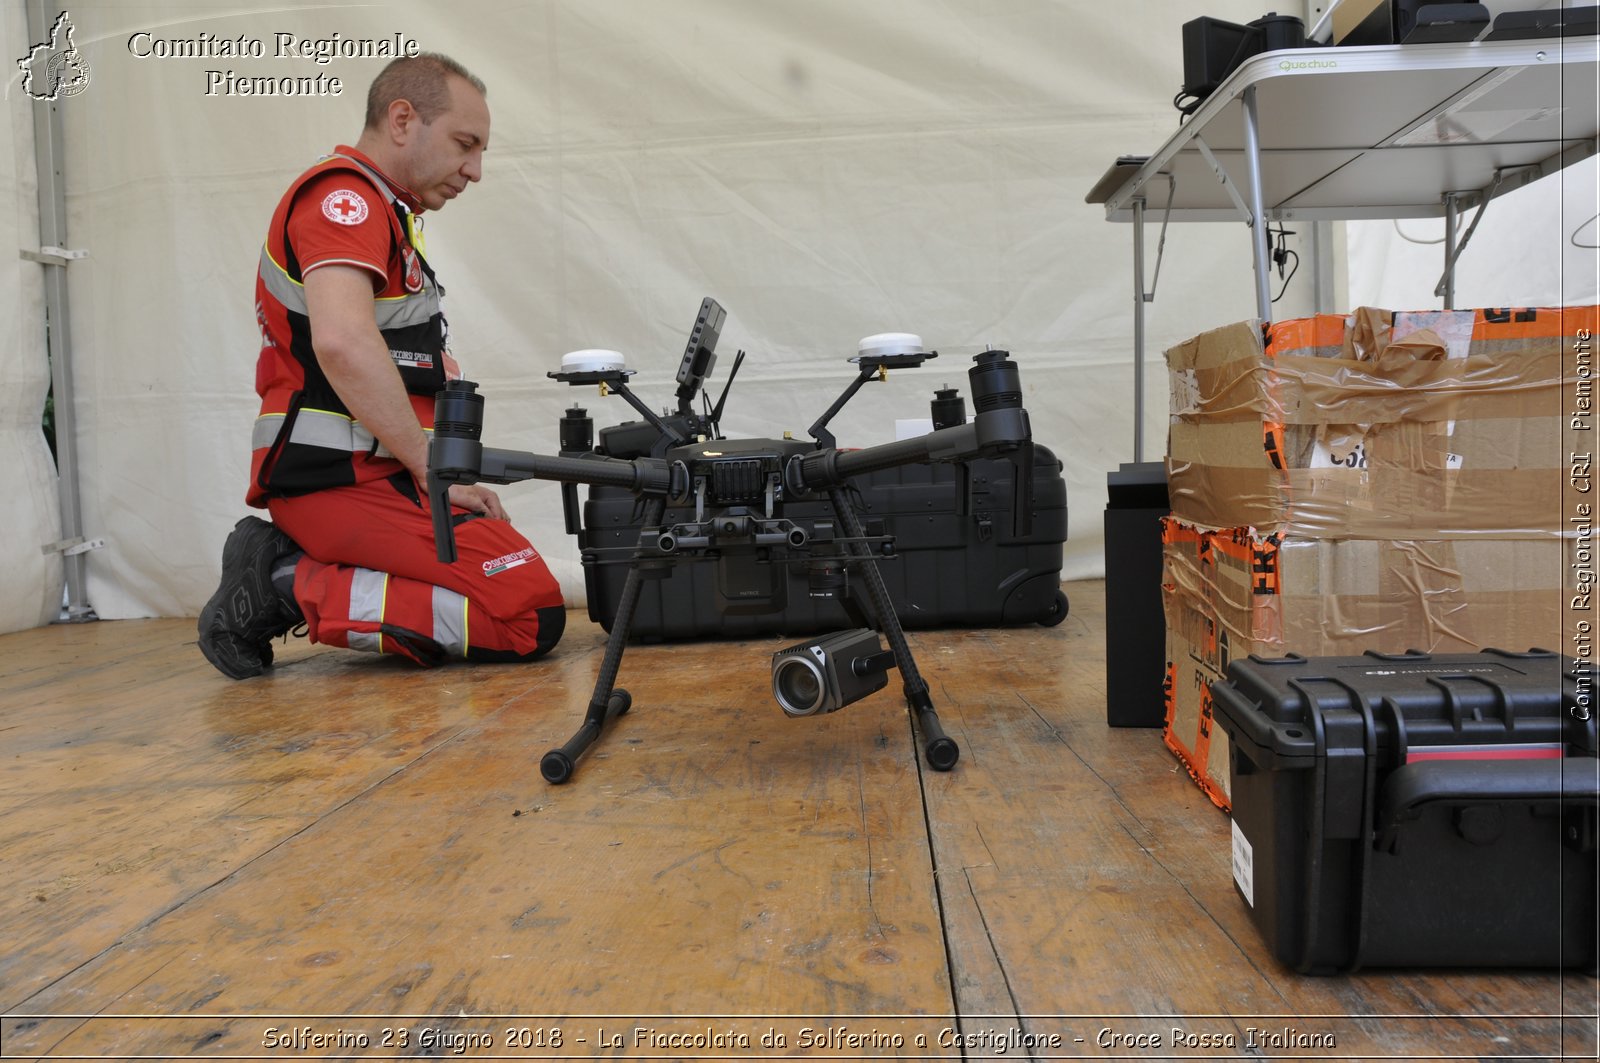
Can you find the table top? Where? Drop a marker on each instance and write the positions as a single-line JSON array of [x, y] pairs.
[[1376, 132]]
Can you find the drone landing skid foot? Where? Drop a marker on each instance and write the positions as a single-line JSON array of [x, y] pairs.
[[939, 748], [558, 765], [607, 702]]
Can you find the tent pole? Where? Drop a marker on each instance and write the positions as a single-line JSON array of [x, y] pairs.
[[47, 140]]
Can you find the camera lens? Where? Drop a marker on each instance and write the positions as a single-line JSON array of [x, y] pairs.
[[826, 579], [797, 685]]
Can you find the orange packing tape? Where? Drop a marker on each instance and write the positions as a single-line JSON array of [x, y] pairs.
[[1519, 323], [1201, 768], [1175, 531], [1272, 443], [1305, 334], [1231, 542], [1264, 566]]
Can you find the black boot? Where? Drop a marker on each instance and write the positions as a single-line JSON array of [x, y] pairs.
[[244, 615]]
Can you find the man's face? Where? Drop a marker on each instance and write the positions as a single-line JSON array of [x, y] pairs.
[[443, 157]]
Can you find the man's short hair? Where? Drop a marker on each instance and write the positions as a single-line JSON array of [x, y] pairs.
[[422, 81]]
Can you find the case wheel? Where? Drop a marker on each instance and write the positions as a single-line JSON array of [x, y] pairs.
[[1058, 611]]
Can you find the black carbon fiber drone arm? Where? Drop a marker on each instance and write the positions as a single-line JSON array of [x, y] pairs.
[[1000, 430], [456, 456]]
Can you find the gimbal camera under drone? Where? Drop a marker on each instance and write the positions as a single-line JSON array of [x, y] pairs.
[[737, 489]]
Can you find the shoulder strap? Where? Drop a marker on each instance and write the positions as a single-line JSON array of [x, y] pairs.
[[402, 213]]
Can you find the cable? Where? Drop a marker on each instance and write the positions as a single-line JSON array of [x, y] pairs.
[[1413, 240], [1282, 256], [1573, 239]]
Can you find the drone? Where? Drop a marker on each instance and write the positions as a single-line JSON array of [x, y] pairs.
[[737, 491]]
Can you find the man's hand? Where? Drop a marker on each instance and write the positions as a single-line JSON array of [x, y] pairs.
[[475, 498]]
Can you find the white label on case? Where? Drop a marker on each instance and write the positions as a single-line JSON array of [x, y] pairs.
[[1244, 865]]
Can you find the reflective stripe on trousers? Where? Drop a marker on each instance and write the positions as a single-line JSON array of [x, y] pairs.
[[369, 593]]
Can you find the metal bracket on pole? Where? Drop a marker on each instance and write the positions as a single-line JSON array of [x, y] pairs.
[[1227, 183], [1446, 288], [1161, 241], [72, 547], [52, 256]]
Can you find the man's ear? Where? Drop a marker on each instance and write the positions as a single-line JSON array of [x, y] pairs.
[[403, 119]]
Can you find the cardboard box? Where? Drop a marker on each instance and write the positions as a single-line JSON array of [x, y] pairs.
[[1372, 481], [1375, 425], [1345, 596], [1229, 593], [1192, 666]]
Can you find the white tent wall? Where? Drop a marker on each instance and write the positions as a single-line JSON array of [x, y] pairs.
[[30, 516], [826, 169]]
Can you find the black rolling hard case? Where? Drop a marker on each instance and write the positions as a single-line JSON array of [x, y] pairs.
[[1415, 809], [953, 559]]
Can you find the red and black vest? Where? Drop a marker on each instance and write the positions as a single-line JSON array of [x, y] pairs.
[[305, 438]]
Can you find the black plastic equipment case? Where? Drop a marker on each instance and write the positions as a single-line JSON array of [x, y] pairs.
[[1415, 809], [946, 568]]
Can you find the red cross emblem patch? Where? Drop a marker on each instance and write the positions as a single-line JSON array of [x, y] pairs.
[[344, 207]]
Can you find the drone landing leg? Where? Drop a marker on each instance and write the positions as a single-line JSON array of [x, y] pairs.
[[607, 702], [940, 749]]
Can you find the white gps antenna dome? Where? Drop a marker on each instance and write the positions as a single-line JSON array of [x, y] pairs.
[[593, 360], [889, 343]]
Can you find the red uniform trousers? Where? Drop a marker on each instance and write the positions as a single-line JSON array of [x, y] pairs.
[[371, 580]]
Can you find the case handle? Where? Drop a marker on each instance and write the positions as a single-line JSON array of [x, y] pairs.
[[1412, 787]]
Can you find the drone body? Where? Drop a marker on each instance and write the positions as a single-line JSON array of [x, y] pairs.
[[736, 492]]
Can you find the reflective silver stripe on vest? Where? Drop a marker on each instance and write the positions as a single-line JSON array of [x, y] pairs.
[[280, 285], [320, 428], [400, 311], [450, 621], [407, 310]]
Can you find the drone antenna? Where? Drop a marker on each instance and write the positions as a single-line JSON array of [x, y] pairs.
[[716, 412]]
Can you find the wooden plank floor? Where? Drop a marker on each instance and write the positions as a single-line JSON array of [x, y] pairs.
[[348, 847]]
